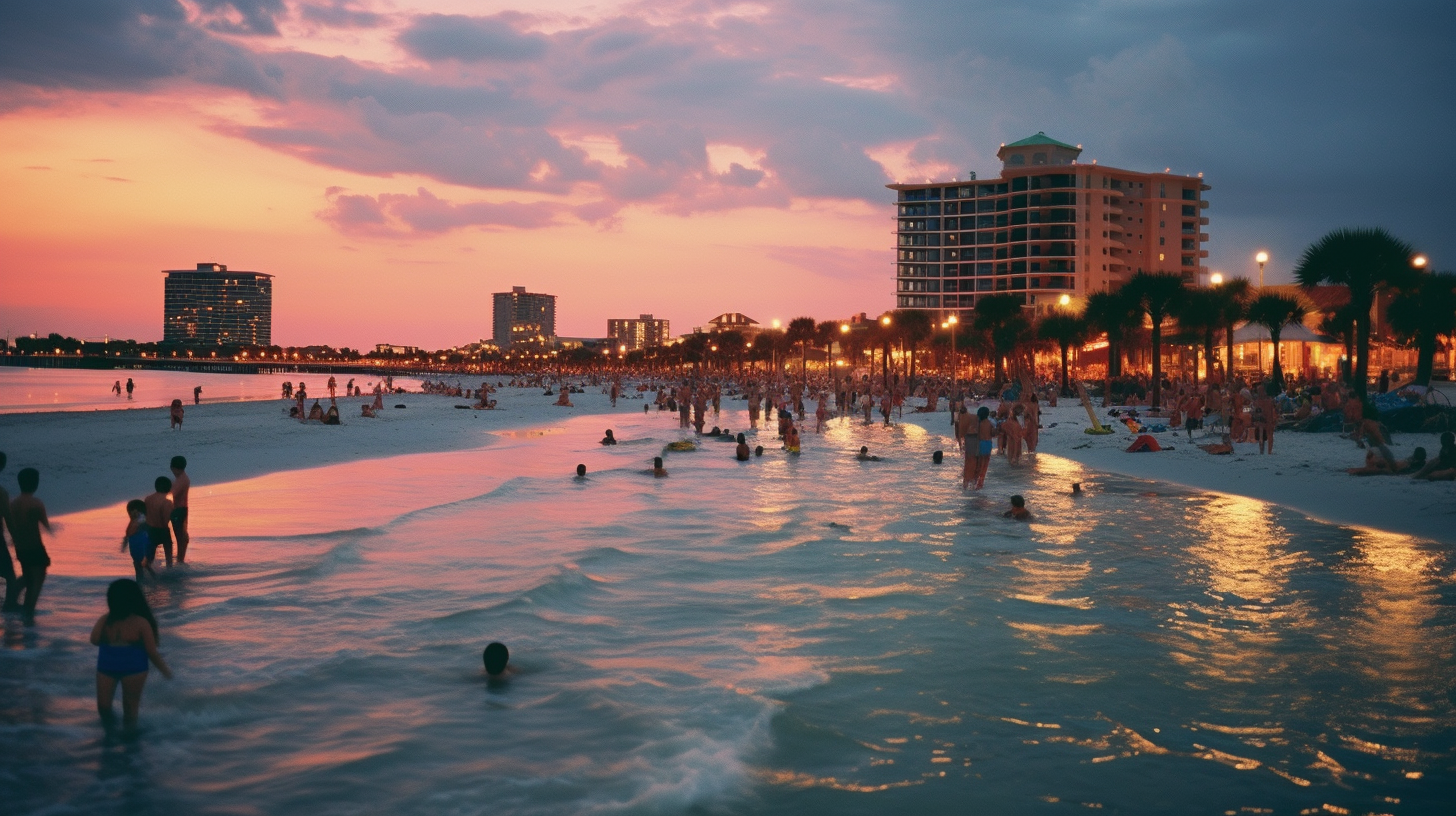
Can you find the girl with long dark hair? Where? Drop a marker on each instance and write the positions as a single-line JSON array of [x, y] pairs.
[[127, 639]]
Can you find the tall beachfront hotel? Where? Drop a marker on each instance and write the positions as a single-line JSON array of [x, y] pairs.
[[523, 319], [1048, 226], [214, 306]]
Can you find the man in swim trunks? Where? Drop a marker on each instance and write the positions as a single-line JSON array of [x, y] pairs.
[[159, 512], [181, 484], [27, 516]]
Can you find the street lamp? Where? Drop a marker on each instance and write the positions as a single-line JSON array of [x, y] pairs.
[[885, 353], [1419, 262], [1261, 258], [950, 323], [1064, 300], [1215, 279]]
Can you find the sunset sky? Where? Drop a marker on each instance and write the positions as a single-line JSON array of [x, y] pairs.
[[393, 163]]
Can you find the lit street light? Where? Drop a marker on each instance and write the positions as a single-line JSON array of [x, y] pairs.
[[1419, 262], [950, 323], [1261, 258], [1215, 279]]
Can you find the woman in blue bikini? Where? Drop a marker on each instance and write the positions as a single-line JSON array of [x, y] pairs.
[[127, 639]]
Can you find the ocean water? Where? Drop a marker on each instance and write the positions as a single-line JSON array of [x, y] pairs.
[[791, 635], [64, 389]]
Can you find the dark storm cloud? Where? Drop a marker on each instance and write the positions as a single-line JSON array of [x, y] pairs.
[[1301, 114], [340, 14], [471, 39], [667, 144], [241, 16], [115, 45], [822, 164]]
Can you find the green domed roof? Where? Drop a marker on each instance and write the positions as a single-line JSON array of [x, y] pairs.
[[1041, 139]]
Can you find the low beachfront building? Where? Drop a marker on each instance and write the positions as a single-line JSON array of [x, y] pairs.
[[1049, 228]]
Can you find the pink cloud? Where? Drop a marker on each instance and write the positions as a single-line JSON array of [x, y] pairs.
[[422, 214]]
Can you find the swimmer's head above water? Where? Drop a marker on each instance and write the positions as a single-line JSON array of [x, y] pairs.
[[496, 656], [581, 470]]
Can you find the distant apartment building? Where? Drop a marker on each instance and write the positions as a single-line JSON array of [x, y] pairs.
[[211, 305], [390, 348], [1048, 226], [644, 331], [523, 319]]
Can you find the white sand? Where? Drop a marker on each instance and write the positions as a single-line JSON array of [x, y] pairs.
[[96, 459], [1306, 472]]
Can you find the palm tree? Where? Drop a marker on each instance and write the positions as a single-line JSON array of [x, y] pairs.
[[1341, 323], [1110, 312], [1064, 329], [767, 345], [915, 328], [1368, 261], [825, 334], [1233, 304], [801, 332], [1000, 318], [732, 344], [693, 349], [1200, 316], [1421, 314], [1274, 312], [1157, 295]]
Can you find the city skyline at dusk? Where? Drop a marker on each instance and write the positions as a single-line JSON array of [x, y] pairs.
[[394, 164]]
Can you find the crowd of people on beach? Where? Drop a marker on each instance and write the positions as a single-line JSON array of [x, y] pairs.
[[985, 420]]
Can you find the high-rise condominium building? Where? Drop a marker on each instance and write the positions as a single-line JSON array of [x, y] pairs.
[[1048, 226], [642, 332], [211, 305], [523, 319]]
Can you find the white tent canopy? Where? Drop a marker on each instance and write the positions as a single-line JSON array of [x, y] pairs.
[[1292, 333]]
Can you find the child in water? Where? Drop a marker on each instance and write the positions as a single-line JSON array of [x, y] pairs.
[[126, 638], [1018, 511], [137, 539]]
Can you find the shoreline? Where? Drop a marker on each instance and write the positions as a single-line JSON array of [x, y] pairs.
[[95, 459]]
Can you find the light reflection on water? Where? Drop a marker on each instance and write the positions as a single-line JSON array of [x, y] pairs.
[[789, 635], [64, 389]]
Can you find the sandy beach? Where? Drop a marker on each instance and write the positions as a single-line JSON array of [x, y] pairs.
[[92, 459]]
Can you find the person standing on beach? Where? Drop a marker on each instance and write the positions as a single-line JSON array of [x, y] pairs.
[[130, 386], [116, 388], [7, 567], [27, 517], [181, 484], [985, 430], [159, 512], [176, 414], [963, 422], [333, 386]]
